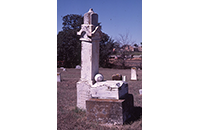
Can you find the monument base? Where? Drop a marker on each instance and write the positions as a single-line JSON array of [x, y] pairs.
[[83, 94], [111, 111]]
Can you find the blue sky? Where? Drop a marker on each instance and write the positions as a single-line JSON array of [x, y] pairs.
[[116, 16]]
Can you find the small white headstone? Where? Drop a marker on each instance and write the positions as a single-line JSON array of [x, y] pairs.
[[58, 77], [133, 73], [78, 67], [124, 78], [140, 91]]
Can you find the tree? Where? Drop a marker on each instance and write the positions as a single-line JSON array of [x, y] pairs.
[[107, 45], [68, 43], [124, 40], [136, 45]]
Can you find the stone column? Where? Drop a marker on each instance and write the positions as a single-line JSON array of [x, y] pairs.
[[90, 37]]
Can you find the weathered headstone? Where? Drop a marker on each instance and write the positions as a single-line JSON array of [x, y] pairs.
[[92, 91], [90, 37], [78, 67], [140, 91], [133, 73]]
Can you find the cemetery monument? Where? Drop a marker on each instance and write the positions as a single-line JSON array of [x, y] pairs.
[[105, 101]]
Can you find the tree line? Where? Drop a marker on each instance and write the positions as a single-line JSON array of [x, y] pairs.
[[69, 45]]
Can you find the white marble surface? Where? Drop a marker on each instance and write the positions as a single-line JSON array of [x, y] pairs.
[[110, 89], [133, 73], [90, 37], [83, 94]]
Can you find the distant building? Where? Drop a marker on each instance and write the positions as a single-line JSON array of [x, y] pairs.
[[127, 48], [139, 48]]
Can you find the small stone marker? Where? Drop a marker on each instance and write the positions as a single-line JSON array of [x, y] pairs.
[[78, 67], [124, 78], [58, 77], [133, 73], [140, 91]]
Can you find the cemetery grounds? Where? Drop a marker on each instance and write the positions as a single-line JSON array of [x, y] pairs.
[[71, 118]]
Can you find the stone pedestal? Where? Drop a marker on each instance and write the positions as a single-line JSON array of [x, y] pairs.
[[83, 94], [111, 111]]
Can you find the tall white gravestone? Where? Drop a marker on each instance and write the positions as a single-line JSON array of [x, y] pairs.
[[133, 73], [90, 37]]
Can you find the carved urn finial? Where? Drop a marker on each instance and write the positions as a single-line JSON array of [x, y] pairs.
[[90, 10]]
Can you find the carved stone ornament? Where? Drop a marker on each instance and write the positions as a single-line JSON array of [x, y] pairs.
[[90, 29]]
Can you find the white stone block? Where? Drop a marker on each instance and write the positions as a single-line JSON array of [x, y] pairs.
[[133, 73], [124, 78], [140, 91], [78, 67], [109, 89], [58, 77]]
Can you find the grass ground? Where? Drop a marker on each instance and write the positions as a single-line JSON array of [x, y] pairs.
[[69, 117]]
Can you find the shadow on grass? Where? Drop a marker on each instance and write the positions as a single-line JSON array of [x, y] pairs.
[[134, 111], [136, 115]]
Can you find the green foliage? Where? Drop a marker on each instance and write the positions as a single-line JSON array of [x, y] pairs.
[[107, 45], [72, 22], [68, 44]]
